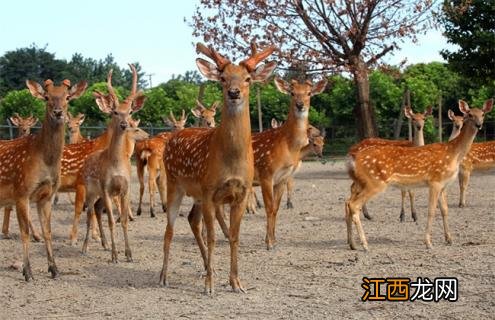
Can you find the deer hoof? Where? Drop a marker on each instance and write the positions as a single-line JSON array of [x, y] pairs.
[[54, 271], [138, 212], [27, 273]]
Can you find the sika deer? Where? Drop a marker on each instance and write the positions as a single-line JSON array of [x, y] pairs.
[[107, 173], [30, 166], [24, 126], [74, 126], [435, 165], [277, 152], [205, 115], [215, 166], [149, 153], [480, 157], [418, 122]]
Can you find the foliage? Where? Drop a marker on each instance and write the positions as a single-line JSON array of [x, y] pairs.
[[470, 25], [22, 102]]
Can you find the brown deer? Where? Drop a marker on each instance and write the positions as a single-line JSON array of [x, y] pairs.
[[30, 166], [277, 151], [205, 115], [480, 157], [215, 166], [418, 123], [149, 153], [434, 165], [74, 126], [24, 126], [107, 173]]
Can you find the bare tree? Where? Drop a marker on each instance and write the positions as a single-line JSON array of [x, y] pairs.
[[323, 35]]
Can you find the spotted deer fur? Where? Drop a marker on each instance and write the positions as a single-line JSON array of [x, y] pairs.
[[215, 166], [434, 165]]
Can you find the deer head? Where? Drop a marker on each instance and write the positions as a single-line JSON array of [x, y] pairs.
[[120, 110], [74, 123], [301, 94], [275, 123], [317, 143], [174, 123], [205, 115], [24, 125], [457, 121], [418, 119], [235, 79], [56, 97], [475, 116]]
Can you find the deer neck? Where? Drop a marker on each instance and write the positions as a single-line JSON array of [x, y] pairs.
[[234, 133], [419, 139], [295, 129], [50, 141], [76, 137], [454, 134], [117, 151], [462, 143]]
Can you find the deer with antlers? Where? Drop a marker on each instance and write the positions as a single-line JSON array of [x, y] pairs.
[[30, 166], [24, 126], [418, 122], [107, 173], [480, 157], [434, 165], [215, 166], [74, 127], [149, 153], [205, 115]]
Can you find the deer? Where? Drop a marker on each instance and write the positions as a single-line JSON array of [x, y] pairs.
[[74, 126], [277, 151], [434, 165], [418, 122], [24, 126], [30, 166], [206, 116], [480, 157], [149, 153], [107, 173], [215, 166]]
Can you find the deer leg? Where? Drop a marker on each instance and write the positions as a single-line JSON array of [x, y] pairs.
[[219, 214], [152, 184], [290, 188], [99, 207], [195, 217], [111, 224], [45, 213], [174, 199], [208, 209], [444, 209], [90, 211], [348, 221], [22, 208], [140, 174], [258, 202], [236, 213], [80, 196], [432, 207], [162, 186], [267, 192], [124, 200], [402, 204], [464, 176], [355, 188], [6, 222], [34, 232], [413, 210], [365, 212], [278, 191]]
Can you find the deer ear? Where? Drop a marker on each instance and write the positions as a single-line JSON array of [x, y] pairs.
[[488, 105], [77, 90], [463, 106], [36, 89], [408, 112], [428, 111], [14, 120], [104, 102], [282, 85], [82, 117], [208, 69], [214, 106], [263, 72], [319, 87], [274, 123], [138, 102], [451, 115], [196, 113], [33, 121]]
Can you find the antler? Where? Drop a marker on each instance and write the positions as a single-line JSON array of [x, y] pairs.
[[199, 105], [211, 53], [172, 117], [183, 116], [134, 82], [110, 88], [256, 57]]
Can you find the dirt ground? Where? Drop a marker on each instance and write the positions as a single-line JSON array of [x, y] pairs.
[[311, 274]]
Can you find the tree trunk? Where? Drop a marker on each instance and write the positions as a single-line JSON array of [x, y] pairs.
[[364, 112]]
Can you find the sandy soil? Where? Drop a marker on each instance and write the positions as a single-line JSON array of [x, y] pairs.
[[311, 274]]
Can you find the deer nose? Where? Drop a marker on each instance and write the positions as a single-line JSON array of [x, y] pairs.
[[123, 125], [234, 93], [299, 105], [58, 113]]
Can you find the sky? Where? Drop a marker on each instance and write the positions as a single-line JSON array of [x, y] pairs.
[[151, 32]]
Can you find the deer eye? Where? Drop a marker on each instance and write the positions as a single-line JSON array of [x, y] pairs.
[[248, 79], [222, 79], [115, 113]]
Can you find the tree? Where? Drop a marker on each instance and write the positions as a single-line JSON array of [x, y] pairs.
[[323, 35], [470, 24], [22, 102]]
